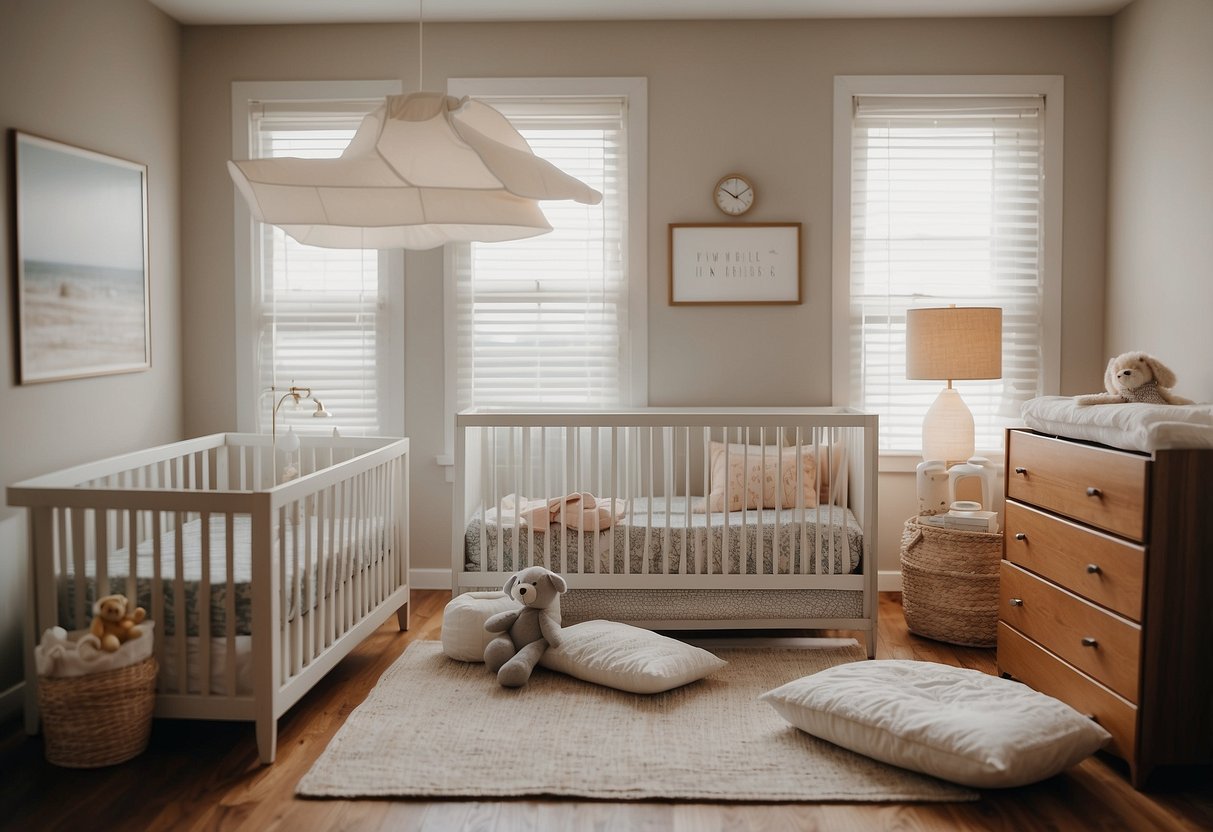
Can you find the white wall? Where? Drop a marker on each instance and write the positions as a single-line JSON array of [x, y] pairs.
[[764, 110], [103, 76], [1160, 212]]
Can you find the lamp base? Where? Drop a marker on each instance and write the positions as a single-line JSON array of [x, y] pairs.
[[947, 429]]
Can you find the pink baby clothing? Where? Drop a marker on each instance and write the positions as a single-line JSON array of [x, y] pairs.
[[579, 510]]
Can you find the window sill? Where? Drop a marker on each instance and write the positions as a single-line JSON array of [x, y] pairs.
[[898, 462], [906, 462]]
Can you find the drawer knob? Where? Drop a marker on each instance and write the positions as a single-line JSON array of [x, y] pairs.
[[1092, 491], [1087, 641], [1017, 602], [1021, 471], [1093, 568], [1020, 536]]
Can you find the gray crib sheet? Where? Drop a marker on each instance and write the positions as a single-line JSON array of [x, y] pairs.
[[695, 540], [352, 540]]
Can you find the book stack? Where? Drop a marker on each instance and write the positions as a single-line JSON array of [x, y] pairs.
[[970, 521]]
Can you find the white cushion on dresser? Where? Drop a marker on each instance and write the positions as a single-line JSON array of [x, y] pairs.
[[1133, 427], [957, 724]]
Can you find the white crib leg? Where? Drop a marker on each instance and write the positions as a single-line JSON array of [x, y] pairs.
[[267, 739], [402, 617]]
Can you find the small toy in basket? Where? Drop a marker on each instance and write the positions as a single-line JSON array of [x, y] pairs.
[[113, 624]]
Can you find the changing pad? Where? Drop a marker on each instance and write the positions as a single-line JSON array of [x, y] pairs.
[[1133, 427]]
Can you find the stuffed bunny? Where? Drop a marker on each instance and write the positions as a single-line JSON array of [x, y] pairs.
[[1135, 377], [524, 633]]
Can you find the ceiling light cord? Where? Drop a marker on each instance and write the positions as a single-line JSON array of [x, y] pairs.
[[420, 45]]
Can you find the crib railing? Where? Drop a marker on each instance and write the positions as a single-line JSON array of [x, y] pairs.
[[659, 466], [222, 462]]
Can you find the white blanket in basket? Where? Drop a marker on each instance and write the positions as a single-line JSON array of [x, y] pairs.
[[78, 653]]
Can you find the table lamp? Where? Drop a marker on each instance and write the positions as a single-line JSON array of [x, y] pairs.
[[948, 344]]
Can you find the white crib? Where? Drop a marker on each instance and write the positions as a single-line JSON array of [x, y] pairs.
[[258, 584], [690, 548]]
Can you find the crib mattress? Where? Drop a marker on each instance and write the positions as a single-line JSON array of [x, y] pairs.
[[499, 543], [358, 543]]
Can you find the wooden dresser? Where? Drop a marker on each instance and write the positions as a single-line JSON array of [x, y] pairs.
[[1106, 591]]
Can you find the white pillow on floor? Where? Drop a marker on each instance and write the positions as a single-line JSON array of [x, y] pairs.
[[958, 724], [628, 658]]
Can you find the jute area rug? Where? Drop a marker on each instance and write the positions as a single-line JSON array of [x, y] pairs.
[[435, 727]]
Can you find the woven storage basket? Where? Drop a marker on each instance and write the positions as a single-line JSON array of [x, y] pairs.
[[99, 719], [949, 584]]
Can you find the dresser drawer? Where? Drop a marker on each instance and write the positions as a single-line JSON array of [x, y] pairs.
[[1099, 567], [1038, 668], [1099, 643], [1100, 486]]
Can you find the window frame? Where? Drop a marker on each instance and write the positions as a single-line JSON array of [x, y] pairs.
[[846, 89], [635, 92], [249, 396]]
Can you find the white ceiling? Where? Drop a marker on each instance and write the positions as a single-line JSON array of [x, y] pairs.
[[382, 11]]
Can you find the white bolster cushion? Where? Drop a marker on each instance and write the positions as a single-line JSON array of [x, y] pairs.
[[463, 635]]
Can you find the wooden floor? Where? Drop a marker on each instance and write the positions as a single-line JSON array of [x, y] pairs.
[[205, 775]]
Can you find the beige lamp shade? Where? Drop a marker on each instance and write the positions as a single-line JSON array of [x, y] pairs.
[[954, 342], [422, 170]]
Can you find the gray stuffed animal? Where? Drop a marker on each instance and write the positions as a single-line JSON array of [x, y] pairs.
[[524, 633]]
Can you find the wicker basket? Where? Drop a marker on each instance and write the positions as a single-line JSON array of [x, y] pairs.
[[99, 719], [949, 584]]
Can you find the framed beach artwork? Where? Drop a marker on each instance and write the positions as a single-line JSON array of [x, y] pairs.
[[82, 271], [734, 263]]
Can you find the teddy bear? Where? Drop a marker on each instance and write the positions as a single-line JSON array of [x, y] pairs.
[[1135, 377], [113, 623], [523, 634]]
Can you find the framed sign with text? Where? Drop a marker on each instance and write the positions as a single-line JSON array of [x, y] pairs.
[[748, 263]]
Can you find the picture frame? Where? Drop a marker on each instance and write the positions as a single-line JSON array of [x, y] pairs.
[[734, 263], [83, 299]]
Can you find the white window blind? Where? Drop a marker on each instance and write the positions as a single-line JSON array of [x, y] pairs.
[[320, 313], [543, 322], [946, 207]]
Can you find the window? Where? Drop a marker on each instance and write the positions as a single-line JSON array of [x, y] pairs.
[[558, 320], [947, 190], [327, 319]]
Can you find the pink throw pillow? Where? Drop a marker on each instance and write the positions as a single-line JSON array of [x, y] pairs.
[[753, 474]]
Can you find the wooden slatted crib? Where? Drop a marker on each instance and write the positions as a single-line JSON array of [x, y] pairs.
[[740, 518], [258, 584]]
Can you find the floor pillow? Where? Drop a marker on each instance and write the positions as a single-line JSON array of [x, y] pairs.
[[628, 658], [957, 724]]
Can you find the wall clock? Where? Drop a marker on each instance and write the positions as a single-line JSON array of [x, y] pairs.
[[734, 194]]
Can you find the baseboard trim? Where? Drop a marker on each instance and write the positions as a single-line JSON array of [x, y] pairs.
[[430, 578], [888, 580]]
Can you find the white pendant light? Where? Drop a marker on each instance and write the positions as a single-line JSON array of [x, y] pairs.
[[422, 170]]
